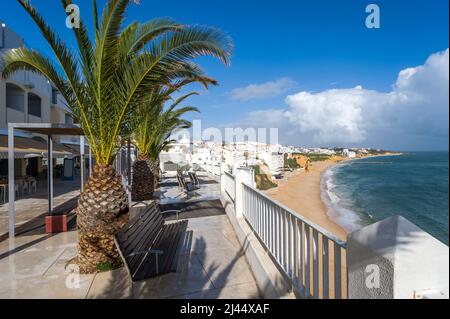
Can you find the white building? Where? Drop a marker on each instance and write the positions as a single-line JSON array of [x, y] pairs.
[[178, 152], [348, 153], [274, 161], [27, 97], [325, 151], [201, 156]]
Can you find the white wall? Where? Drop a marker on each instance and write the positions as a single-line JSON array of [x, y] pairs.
[[402, 258], [29, 83]]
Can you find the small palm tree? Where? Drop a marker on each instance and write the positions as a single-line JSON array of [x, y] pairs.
[[151, 135], [102, 83]]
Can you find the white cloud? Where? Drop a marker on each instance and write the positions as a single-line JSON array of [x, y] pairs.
[[264, 90], [333, 115], [416, 109]]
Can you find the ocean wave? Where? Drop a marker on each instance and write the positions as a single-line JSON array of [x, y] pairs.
[[345, 217]]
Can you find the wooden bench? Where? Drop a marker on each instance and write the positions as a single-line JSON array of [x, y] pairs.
[[148, 246]]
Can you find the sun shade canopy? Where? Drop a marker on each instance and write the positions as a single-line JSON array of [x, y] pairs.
[[49, 128], [26, 147]]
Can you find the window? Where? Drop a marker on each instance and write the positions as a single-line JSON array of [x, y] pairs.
[[54, 96], [34, 105], [14, 97]]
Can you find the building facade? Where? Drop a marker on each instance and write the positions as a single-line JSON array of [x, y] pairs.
[[28, 97]]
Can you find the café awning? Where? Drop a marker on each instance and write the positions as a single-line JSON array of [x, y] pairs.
[[27, 147]]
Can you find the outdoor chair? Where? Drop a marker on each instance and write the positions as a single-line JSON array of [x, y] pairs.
[[148, 246], [25, 187], [3, 193], [16, 189], [33, 185], [194, 179], [185, 187]]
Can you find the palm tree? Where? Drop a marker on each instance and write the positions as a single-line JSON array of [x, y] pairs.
[[146, 126], [151, 135], [102, 82]]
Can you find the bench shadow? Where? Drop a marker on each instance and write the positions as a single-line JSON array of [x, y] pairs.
[[191, 280]]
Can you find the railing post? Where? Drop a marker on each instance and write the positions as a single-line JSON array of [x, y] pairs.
[[11, 190], [222, 182], [50, 173], [243, 175], [325, 263]]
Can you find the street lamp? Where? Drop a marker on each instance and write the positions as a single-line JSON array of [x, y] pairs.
[[3, 35]]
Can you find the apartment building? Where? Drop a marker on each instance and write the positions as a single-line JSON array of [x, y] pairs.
[[27, 97]]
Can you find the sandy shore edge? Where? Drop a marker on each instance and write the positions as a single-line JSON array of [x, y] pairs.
[[302, 192]]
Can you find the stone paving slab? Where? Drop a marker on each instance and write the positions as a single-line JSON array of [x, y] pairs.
[[39, 270], [31, 206], [242, 291], [212, 266]]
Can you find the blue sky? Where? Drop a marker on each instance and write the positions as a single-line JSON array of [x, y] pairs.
[[283, 48]]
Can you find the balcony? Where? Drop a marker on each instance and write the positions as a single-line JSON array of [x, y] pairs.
[[213, 265], [241, 244]]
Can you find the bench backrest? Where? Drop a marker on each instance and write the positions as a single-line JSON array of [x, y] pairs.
[[139, 234]]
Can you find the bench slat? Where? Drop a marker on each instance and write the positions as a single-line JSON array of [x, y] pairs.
[[167, 242], [179, 230], [147, 231], [139, 221], [148, 266], [145, 242], [139, 234]]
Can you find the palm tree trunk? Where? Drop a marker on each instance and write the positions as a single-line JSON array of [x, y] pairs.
[[154, 166], [102, 211], [143, 184]]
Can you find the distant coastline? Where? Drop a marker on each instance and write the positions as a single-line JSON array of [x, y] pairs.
[[415, 186], [345, 218], [304, 193]]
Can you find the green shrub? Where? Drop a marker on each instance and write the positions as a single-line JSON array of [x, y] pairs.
[[256, 169], [291, 163], [263, 182], [317, 157], [106, 266]]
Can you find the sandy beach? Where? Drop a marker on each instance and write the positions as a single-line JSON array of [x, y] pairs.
[[301, 192]]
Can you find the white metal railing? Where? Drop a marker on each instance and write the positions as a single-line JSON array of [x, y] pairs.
[[311, 257], [215, 170], [229, 185]]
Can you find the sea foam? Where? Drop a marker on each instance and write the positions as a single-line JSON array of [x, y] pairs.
[[345, 217]]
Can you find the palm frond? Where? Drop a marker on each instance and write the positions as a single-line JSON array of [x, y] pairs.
[[121, 68]]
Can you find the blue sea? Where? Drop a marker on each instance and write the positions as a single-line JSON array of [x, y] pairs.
[[414, 185]]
